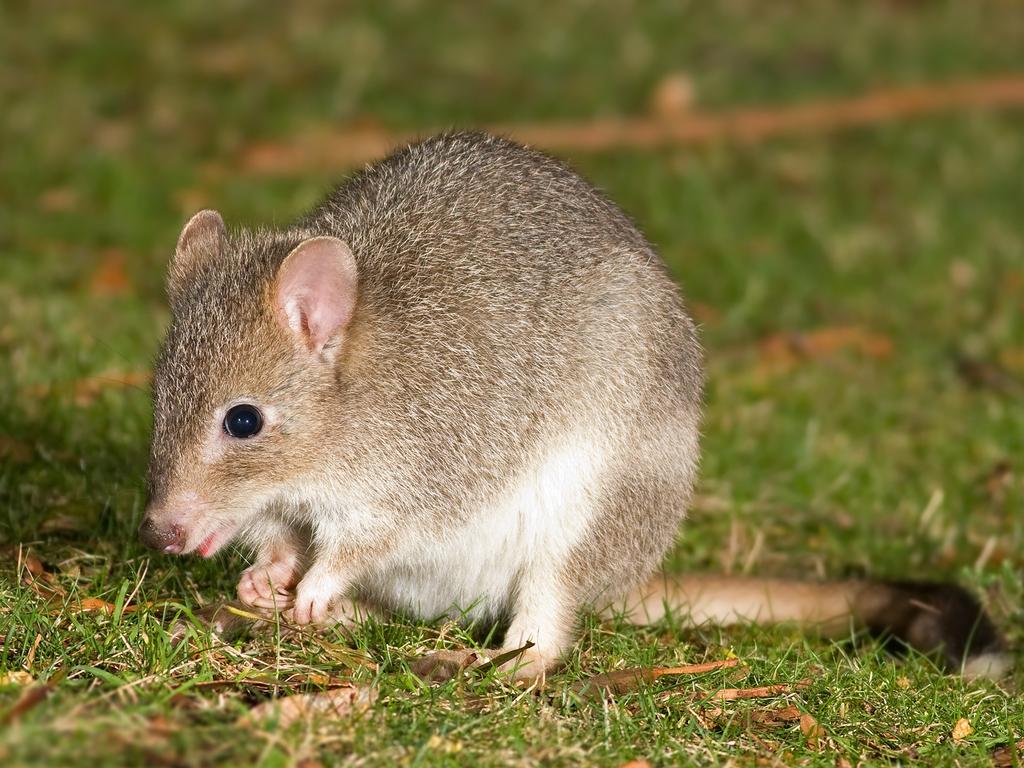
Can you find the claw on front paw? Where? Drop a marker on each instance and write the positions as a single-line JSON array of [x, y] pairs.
[[309, 610], [314, 596], [267, 585]]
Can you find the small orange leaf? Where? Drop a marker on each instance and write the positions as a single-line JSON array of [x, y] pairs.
[[34, 565], [673, 96], [110, 278], [88, 389], [785, 350], [94, 604], [962, 730], [58, 199], [811, 730]]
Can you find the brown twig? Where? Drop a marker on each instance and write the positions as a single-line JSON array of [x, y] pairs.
[[761, 692], [622, 681], [331, 149]]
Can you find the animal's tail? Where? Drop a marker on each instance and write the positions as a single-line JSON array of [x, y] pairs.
[[941, 619]]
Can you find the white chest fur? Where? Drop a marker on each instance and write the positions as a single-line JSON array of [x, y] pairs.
[[525, 535]]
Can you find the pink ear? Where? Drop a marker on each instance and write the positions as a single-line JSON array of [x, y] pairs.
[[315, 291]]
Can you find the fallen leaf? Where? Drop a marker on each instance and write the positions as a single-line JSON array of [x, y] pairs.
[[14, 450], [40, 580], [782, 714], [999, 480], [636, 764], [338, 702], [63, 524], [58, 199], [783, 351], [113, 135], [437, 743], [622, 681], [94, 604], [984, 374], [811, 730], [86, 390], [34, 565], [18, 677], [673, 96], [704, 313], [192, 199], [110, 278], [962, 730], [1012, 358], [1008, 755], [962, 274]]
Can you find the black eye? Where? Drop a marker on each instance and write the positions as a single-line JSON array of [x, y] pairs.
[[243, 420]]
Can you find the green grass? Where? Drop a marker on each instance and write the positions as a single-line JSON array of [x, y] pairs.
[[121, 119]]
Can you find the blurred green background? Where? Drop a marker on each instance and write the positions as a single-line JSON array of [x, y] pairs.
[[860, 292]]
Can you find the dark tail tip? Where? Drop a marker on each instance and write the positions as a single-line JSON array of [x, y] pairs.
[[943, 620]]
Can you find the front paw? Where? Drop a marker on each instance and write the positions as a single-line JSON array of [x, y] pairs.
[[268, 585], [314, 596]]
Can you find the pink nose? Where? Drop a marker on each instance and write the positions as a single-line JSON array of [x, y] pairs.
[[170, 539]]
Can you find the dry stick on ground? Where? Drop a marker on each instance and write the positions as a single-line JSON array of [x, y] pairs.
[[331, 149], [764, 691], [623, 681]]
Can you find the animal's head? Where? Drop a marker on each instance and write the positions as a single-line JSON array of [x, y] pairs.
[[245, 378]]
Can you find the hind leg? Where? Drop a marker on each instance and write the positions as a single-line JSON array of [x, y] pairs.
[[545, 614], [543, 617]]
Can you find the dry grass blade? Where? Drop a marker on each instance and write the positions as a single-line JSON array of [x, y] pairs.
[[503, 658], [629, 680], [271, 681], [334, 703]]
